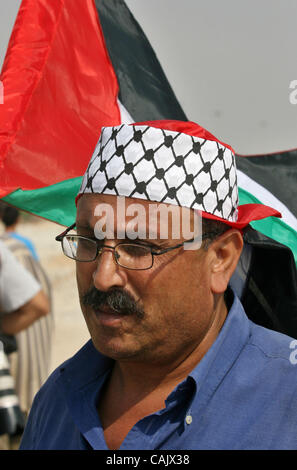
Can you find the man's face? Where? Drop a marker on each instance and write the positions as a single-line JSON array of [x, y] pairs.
[[169, 308]]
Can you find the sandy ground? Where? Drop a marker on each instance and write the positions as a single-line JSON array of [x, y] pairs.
[[70, 329]]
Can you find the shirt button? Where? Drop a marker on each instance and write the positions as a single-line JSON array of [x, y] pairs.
[[189, 419]]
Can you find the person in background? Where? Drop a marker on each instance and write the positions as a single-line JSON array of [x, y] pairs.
[[22, 303], [11, 217], [30, 363]]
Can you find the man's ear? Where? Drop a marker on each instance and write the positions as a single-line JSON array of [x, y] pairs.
[[225, 253]]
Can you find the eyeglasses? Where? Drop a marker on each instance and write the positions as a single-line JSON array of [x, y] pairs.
[[136, 256]]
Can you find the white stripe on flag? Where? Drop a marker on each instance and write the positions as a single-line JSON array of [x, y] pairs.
[[266, 197], [125, 116]]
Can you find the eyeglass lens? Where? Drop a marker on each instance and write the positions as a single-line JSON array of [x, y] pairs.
[[128, 255]]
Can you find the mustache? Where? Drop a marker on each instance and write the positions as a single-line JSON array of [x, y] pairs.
[[116, 299]]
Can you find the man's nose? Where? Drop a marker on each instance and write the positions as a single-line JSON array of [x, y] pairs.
[[108, 273]]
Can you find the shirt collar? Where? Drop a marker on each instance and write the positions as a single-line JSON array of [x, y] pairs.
[[86, 366], [229, 342], [221, 356]]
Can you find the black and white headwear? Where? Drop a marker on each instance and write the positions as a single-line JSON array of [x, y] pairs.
[[173, 162]]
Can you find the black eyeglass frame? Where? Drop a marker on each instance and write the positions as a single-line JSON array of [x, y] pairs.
[[59, 238]]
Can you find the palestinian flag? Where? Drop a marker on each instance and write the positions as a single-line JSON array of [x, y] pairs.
[[59, 92], [74, 66]]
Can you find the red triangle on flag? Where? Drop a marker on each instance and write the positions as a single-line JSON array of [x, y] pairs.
[[59, 90]]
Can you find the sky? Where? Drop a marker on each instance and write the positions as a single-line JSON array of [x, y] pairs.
[[230, 64]]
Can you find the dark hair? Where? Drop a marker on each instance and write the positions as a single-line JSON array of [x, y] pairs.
[[214, 228], [9, 215]]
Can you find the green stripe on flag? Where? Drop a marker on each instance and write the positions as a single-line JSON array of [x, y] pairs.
[[272, 227], [55, 202]]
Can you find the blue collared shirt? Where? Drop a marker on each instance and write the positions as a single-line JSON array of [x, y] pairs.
[[242, 395]]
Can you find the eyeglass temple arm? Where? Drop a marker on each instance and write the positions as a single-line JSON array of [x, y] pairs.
[[161, 252], [205, 235], [59, 238]]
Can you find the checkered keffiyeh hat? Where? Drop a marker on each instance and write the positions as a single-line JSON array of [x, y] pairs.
[[173, 162]]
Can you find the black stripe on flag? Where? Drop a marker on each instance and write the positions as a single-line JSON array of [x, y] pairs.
[[144, 89]]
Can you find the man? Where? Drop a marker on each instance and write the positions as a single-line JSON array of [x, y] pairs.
[[30, 363], [174, 362], [22, 302]]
